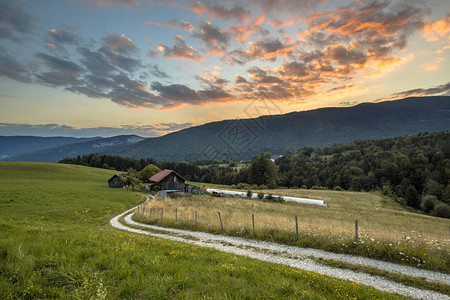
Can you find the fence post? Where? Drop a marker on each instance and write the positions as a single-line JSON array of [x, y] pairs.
[[162, 212], [220, 218], [296, 225], [151, 212], [356, 230], [253, 222], [196, 218], [176, 214], [143, 210]]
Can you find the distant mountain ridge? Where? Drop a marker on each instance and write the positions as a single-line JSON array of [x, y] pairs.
[[54, 154], [242, 139], [15, 145]]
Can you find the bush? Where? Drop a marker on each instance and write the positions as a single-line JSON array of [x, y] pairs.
[[269, 197], [338, 188], [261, 195], [442, 210], [263, 187], [428, 203], [241, 186], [315, 187], [249, 194], [386, 190]]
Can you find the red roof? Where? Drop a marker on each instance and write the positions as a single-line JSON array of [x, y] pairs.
[[161, 175]]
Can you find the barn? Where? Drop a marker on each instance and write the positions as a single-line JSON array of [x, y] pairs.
[[115, 181], [169, 180]]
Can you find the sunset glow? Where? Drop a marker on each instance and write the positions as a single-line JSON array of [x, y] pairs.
[[95, 67]]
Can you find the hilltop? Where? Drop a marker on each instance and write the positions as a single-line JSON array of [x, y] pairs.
[[237, 139], [244, 138]]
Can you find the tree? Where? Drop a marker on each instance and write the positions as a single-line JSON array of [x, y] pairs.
[[262, 171], [442, 210], [428, 203], [130, 179], [412, 198], [148, 172]]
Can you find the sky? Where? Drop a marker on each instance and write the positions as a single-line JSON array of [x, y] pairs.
[[104, 68]]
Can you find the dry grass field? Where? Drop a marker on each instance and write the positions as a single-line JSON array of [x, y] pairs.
[[386, 230]]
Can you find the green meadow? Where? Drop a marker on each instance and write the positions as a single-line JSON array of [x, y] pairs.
[[56, 242]]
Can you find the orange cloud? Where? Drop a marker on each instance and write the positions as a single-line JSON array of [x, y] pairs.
[[436, 30], [283, 23], [443, 89], [434, 65]]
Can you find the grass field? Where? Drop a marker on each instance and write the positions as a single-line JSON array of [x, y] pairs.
[[386, 230], [56, 242]]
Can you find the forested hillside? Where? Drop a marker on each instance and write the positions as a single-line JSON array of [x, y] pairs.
[[244, 138], [414, 169]]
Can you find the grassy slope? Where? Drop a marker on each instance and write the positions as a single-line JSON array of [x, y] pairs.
[[56, 243]]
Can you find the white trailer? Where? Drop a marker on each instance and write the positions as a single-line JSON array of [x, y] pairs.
[[255, 195]]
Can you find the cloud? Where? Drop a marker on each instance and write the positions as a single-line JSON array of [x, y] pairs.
[[96, 62], [155, 71], [434, 64], [133, 93], [434, 31], [123, 3], [374, 29], [283, 23], [12, 68], [62, 37], [121, 44], [264, 49], [212, 36], [157, 129], [56, 40], [289, 6], [14, 20], [178, 94], [59, 64], [240, 79], [180, 50], [145, 130], [176, 24], [293, 69], [216, 10], [336, 45], [344, 55], [443, 89]]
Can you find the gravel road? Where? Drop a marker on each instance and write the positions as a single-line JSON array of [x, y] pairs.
[[295, 257]]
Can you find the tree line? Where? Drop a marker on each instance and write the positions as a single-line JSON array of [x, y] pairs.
[[414, 170]]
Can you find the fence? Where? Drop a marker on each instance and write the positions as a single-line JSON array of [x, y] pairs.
[[221, 222]]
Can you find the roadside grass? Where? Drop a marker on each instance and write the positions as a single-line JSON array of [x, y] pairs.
[[56, 242], [421, 283], [385, 233]]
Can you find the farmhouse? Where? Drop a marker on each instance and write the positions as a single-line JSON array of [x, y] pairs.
[[169, 180], [115, 181]]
